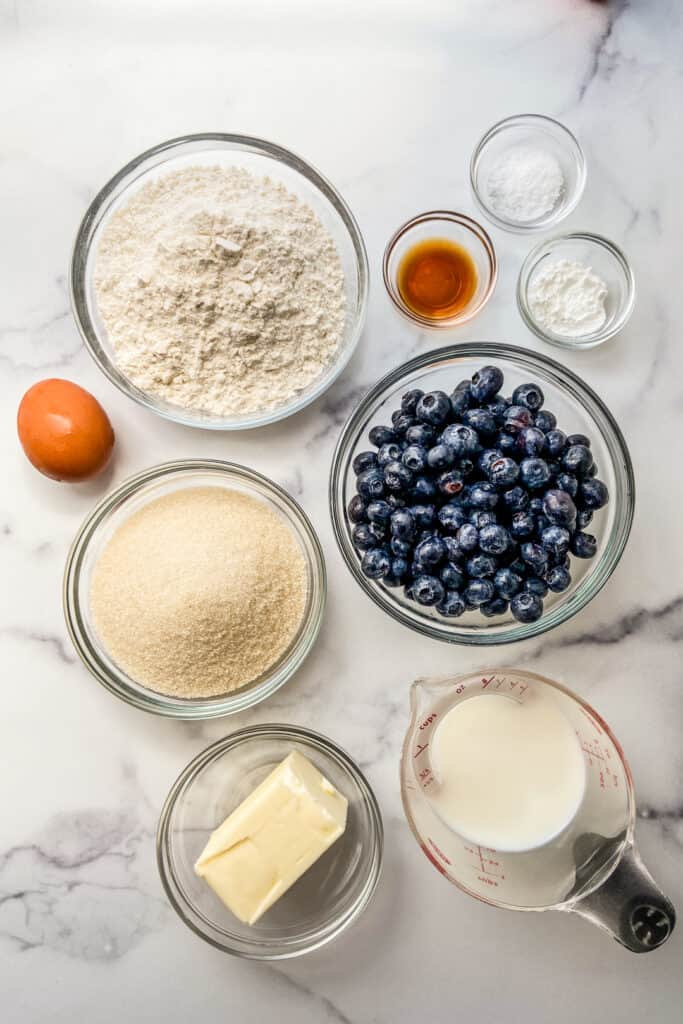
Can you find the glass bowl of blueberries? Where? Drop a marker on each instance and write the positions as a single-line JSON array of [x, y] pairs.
[[481, 493]]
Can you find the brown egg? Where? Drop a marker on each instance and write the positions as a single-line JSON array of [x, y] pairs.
[[64, 431]]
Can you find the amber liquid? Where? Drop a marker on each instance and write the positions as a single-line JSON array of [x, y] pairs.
[[437, 278]]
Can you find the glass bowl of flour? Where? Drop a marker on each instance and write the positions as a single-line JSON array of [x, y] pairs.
[[220, 281]]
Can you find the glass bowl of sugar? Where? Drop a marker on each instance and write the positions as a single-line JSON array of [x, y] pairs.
[[576, 290], [527, 173]]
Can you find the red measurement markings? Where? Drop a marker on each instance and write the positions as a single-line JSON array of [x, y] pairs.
[[489, 870], [428, 721], [438, 850], [421, 747], [499, 681], [426, 778], [598, 757]]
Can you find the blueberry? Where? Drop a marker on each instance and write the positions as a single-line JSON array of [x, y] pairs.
[[516, 499], [593, 471], [402, 421], [518, 566], [584, 517], [541, 523], [526, 607], [503, 472], [535, 556], [516, 419], [465, 466], [433, 408], [381, 435], [415, 458], [536, 506], [577, 459], [487, 457], [528, 395], [423, 487], [410, 400], [578, 439], [478, 592], [424, 515], [451, 518], [594, 494], [545, 421], [403, 524], [452, 576], [507, 583], [496, 606], [567, 482], [483, 496], [480, 420], [429, 553], [462, 439], [494, 540], [486, 383], [356, 509], [558, 579], [522, 525], [363, 461], [482, 517], [583, 545], [468, 537], [363, 537], [479, 566], [421, 434], [375, 564], [450, 483], [556, 440], [535, 585], [461, 399], [440, 457], [379, 511], [497, 408], [388, 453], [507, 445], [454, 553], [395, 501], [560, 509], [534, 473], [397, 477], [400, 548], [428, 590], [532, 441], [555, 540], [370, 483], [452, 605]]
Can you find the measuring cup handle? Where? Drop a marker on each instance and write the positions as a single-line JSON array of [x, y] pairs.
[[631, 906]]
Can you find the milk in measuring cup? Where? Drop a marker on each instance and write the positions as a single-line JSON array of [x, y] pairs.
[[510, 773]]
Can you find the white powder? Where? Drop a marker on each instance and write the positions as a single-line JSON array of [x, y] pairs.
[[568, 298], [220, 291], [526, 183], [199, 592]]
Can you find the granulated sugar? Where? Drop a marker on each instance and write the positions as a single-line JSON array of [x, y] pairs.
[[199, 592], [221, 291]]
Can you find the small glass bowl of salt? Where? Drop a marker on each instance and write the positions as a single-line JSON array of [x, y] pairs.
[[527, 173], [576, 290]]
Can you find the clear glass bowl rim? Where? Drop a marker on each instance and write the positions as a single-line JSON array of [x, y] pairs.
[[471, 225], [606, 561], [216, 750], [588, 340], [81, 250], [159, 703], [564, 210]]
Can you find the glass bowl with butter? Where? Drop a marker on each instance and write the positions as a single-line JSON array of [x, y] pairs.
[[224, 856]]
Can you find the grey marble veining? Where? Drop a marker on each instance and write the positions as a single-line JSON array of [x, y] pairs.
[[387, 99]]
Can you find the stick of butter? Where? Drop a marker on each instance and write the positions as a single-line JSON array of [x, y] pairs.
[[272, 838]]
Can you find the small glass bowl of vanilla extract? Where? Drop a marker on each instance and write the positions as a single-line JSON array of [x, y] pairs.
[[440, 269]]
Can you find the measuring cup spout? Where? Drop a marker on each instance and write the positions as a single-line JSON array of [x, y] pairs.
[[630, 906]]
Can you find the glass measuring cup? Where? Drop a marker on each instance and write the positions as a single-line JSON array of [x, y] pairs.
[[591, 867]]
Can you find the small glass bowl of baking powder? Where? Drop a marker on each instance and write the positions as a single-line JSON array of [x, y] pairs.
[[114, 510], [262, 159], [604, 260], [527, 173], [325, 901]]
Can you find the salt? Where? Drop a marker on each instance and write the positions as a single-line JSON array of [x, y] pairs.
[[525, 184]]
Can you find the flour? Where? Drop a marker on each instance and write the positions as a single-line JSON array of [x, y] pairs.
[[220, 291], [526, 183], [568, 298]]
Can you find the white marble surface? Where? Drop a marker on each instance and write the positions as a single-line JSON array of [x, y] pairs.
[[387, 98]]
